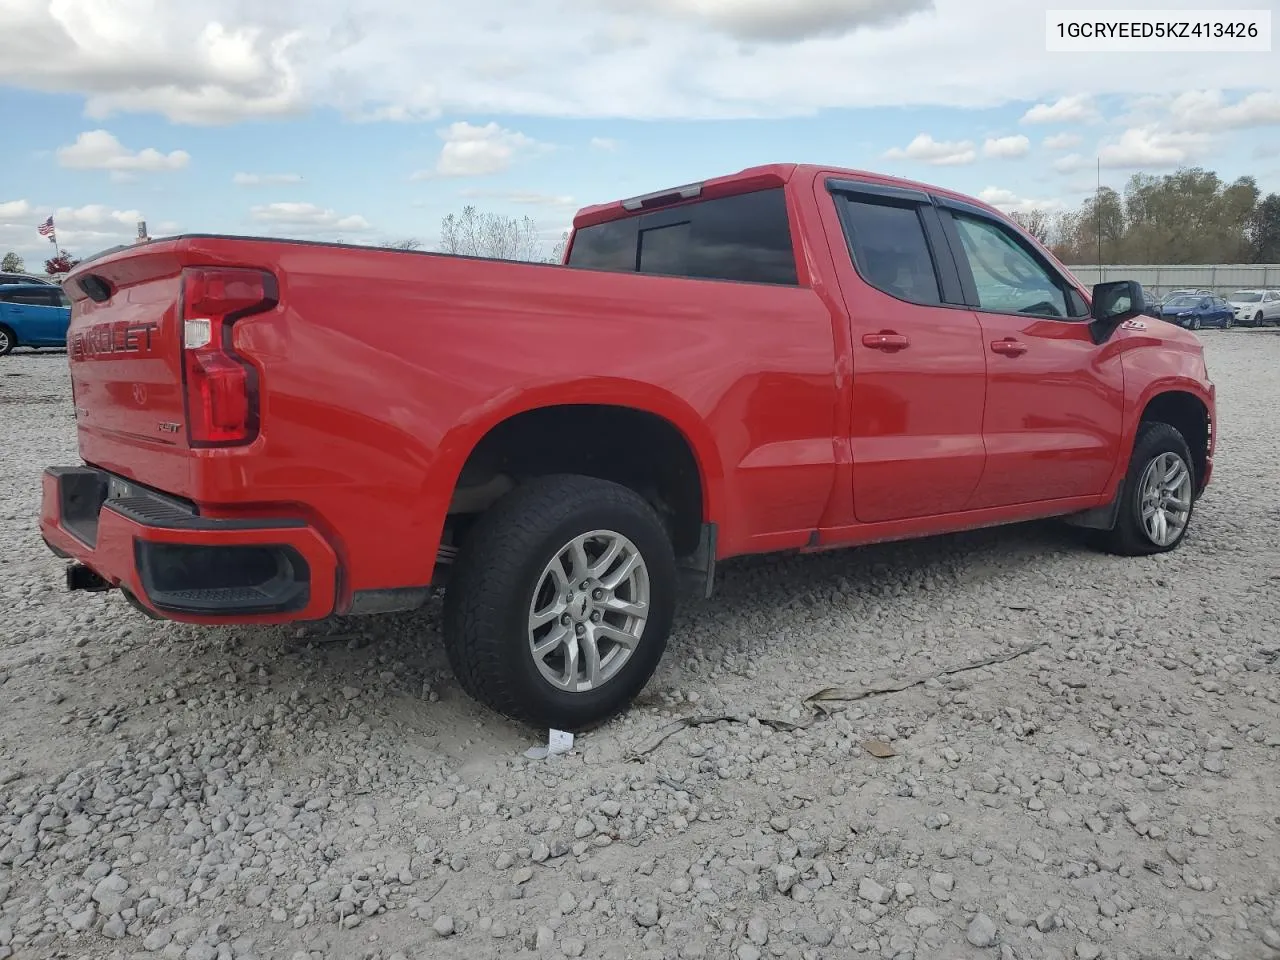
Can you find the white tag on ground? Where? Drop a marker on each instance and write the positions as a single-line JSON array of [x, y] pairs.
[[558, 742]]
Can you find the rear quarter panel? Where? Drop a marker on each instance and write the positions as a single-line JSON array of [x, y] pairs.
[[383, 370]]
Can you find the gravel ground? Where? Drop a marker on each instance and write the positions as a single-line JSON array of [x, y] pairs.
[[208, 794]]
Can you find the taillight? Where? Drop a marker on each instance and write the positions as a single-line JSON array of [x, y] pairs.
[[220, 387]]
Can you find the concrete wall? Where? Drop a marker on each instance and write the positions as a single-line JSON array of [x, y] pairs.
[[1221, 278]]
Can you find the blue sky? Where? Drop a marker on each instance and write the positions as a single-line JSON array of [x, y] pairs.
[[370, 121]]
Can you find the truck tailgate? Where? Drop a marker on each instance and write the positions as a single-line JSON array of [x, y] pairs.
[[125, 356]]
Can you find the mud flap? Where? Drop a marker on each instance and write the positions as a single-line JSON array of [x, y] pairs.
[[697, 571], [1098, 518]]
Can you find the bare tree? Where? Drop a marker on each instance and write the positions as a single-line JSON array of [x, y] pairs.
[[558, 251], [12, 263], [408, 243], [475, 233], [1037, 222]]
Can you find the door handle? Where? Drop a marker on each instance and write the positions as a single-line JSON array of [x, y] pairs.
[[1009, 347], [885, 340]]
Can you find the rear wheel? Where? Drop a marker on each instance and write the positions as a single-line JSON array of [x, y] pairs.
[[1157, 497], [559, 605], [7, 340]]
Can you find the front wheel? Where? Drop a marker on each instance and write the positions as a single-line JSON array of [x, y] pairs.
[[7, 341], [1157, 497], [1257, 320], [1195, 323], [560, 602]]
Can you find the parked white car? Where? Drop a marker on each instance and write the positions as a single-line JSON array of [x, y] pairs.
[[1253, 308]]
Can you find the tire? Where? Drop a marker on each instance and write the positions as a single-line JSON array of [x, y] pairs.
[[1258, 319], [1156, 446], [8, 340], [1195, 323], [502, 577], [1228, 323]]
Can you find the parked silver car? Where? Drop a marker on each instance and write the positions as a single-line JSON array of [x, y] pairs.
[[1253, 308]]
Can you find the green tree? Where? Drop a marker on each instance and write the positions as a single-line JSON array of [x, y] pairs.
[[1189, 216], [12, 263], [1079, 230], [1264, 231]]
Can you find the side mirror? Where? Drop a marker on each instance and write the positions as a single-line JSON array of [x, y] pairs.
[[1113, 304]]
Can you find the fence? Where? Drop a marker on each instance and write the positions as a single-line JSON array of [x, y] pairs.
[[1157, 280]]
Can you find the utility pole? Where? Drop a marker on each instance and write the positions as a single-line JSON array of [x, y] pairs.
[[1097, 217]]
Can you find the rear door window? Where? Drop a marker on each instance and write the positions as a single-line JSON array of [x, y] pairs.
[[33, 298], [890, 249], [744, 238]]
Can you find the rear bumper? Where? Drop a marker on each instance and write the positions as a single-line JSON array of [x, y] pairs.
[[179, 564]]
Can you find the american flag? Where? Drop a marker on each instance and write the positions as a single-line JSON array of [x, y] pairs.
[[46, 228]]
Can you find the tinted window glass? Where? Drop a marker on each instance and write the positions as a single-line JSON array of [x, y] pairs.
[[1009, 279], [890, 249], [665, 249], [35, 298], [606, 246], [745, 238]]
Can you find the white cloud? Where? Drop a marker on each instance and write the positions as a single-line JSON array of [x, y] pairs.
[[1073, 109], [218, 61], [768, 21], [523, 198], [153, 56], [939, 153], [1150, 148], [14, 211], [474, 151], [100, 150], [420, 103], [95, 215], [306, 219], [603, 143], [83, 230], [1204, 111], [1006, 148], [1071, 163], [1010, 202], [1062, 141], [264, 179]]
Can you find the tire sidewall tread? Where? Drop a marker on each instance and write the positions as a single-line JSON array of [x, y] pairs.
[[1129, 538], [491, 586]]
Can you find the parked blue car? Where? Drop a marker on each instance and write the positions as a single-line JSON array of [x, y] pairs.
[[1194, 312], [33, 315]]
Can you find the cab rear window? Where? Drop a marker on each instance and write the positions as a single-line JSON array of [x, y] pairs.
[[744, 238]]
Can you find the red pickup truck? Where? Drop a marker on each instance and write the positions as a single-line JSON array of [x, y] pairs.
[[788, 358]]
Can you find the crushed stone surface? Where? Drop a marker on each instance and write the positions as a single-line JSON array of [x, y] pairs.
[[328, 792]]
